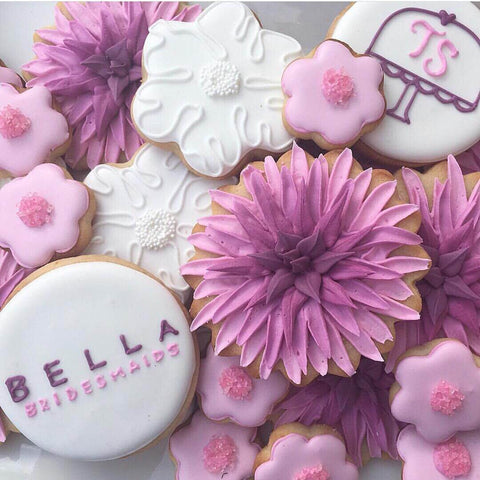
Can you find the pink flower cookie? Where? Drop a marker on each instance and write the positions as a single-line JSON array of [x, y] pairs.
[[7, 75], [45, 215], [205, 450], [31, 130], [437, 389], [456, 458], [295, 452], [228, 392], [333, 96]]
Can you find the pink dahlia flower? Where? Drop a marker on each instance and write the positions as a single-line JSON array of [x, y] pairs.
[[451, 235], [11, 274], [357, 407], [302, 264], [92, 62]]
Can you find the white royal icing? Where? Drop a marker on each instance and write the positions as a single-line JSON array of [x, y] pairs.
[[213, 87], [88, 306], [145, 213], [440, 57]]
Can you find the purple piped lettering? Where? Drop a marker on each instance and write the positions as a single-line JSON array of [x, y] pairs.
[[91, 364], [117, 373], [17, 388], [51, 375], [166, 328], [129, 350]]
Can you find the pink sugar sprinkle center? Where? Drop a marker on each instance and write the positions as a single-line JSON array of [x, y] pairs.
[[220, 454], [312, 473], [13, 123], [337, 86], [446, 398], [236, 383], [34, 211], [452, 459]]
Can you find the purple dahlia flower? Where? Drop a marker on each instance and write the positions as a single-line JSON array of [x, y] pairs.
[[92, 62], [304, 262], [358, 407], [11, 274], [469, 160], [450, 231]]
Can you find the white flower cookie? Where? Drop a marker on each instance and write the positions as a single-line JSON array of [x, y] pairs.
[[212, 88], [146, 210]]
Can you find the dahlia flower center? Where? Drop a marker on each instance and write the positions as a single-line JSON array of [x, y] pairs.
[[220, 79], [34, 211], [446, 398], [155, 229], [452, 459], [115, 61], [445, 265], [220, 454], [312, 473], [337, 86], [13, 123], [235, 383]]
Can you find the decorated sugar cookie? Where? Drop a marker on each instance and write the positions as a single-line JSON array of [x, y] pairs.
[[333, 95], [7, 75], [31, 130], [430, 54], [297, 267], [96, 359], [437, 389], [206, 450], [146, 209], [212, 90], [228, 392], [457, 458], [44, 215], [91, 61], [300, 453]]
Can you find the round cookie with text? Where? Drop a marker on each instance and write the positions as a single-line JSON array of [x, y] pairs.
[[430, 54], [97, 361]]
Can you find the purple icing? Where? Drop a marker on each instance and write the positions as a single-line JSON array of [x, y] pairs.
[[129, 350], [51, 375], [15, 385], [414, 83], [166, 328], [91, 364]]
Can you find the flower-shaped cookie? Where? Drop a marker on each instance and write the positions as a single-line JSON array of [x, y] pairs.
[[311, 454], [212, 87], [206, 450], [298, 267], [146, 210], [31, 130], [7, 75], [227, 391], [40, 215], [333, 95], [438, 392], [457, 458]]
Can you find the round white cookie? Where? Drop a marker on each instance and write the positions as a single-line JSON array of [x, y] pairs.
[[146, 211], [96, 359], [213, 88], [430, 53]]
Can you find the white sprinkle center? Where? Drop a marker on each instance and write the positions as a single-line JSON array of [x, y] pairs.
[[155, 229], [220, 78]]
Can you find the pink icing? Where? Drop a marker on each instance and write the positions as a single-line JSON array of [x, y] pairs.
[[220, 454], [347, 81], [7, 75], [34, 211], [312, 473], [236, 383], [429, 31], [452, 51], [33, 247], [452, 459], [188, 443], [446, 398], [295, 455], [337, 86], [418, 376], [247, 402], [13, 123], [31, 132]]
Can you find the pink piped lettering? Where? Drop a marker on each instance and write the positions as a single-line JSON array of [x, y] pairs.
[[56, 399], [452, 51], [87, 386], [133, 366], [101, 382], [43, 402], [158, 355], [146, 361], [117, 373], [173, 349], [71, 393], [429, 33], [30, 409]]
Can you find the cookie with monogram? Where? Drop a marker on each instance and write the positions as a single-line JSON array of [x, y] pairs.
[[211, 89], [146, 210], [97, 360], [430, 55]]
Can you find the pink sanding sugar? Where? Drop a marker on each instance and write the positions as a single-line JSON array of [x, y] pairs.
[[337, 86], [446, 398], [13, 123], [236, 383], [34, 211], [220, 454], [452, 459], [312, 473]]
